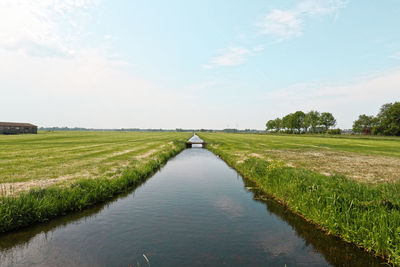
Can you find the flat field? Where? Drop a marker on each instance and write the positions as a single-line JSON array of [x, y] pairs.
[[364, 159], [347, 186], [59, 158]]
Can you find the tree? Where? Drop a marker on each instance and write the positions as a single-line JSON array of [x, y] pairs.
[[327, 120], [287, 122], [306, 123], [271, 125], [274, 125], [388, 120], [313, 120], [384, 109], [379, 127], [278, 124], [298, 119], [364, 124]]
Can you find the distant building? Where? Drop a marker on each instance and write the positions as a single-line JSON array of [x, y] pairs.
[[17, 128]]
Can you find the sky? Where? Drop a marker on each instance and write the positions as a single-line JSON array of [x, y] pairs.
[[195, 64]]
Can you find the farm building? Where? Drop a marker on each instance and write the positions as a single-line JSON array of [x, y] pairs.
[[17, 128]]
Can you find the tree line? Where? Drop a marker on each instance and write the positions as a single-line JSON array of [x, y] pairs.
[[386, 122], [300, 122]]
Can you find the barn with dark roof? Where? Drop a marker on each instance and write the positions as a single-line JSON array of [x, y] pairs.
[[17, 128]]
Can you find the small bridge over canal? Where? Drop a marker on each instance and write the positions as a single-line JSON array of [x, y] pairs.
[[196, 141]]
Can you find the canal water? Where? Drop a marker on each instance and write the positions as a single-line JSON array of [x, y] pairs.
[[196, 211]]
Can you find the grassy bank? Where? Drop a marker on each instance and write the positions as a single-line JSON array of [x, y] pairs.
[[367, 214], [361, 159], [139, 156], [60, 158]]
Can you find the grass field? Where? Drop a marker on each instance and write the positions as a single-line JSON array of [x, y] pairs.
[[59, 158], [347, 186], [363, 159], [49, 174]]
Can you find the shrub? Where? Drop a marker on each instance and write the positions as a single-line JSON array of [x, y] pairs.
[[334, 131]]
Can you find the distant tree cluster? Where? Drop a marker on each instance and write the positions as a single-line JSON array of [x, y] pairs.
[[387, 122], [300, 122], [230, 130]]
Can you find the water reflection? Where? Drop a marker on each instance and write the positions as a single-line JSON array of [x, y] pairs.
[[335, 251], [197, 145], [13, 244], [192, 212]]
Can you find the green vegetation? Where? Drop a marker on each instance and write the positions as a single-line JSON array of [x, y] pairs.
[[387, 122], [65, 156], [300, 122], [60, 172], [367, 214], [364, 124]]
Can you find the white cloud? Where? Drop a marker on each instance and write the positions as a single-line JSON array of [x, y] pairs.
[[229, 207], [258, 48], [287, 24], [108, 37], [284, 24], [87, 90], [396, 55], [202, 86], [231, 56], [355, 97], [46, 69], [41, 27], [320, 7], [49, 77]]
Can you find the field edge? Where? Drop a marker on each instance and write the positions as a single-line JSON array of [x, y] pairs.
[[391, 254], [41, 205]]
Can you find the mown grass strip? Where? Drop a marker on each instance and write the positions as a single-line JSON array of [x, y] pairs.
[[50, 155], [366, 215], [40, 205]]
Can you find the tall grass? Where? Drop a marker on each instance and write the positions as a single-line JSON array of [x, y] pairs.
[[364, 214], [40, 205]]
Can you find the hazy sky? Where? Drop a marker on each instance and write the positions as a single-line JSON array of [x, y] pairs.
[[195, 64]]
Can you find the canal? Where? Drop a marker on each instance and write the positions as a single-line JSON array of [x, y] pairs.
[[196, 211]]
